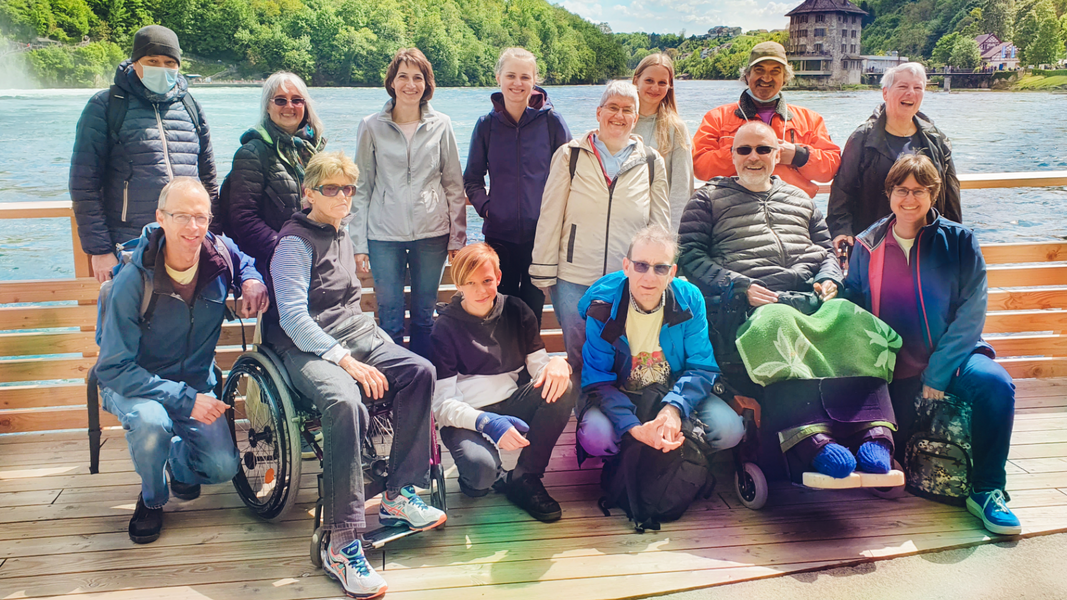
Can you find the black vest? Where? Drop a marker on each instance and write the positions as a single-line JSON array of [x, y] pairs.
[[334, 291]]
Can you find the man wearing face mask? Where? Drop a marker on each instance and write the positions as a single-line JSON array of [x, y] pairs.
[[808, 155], [133, 139]]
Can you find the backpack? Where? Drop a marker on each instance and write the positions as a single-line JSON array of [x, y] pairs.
[[651, 486], [937, 458], [220, 209]]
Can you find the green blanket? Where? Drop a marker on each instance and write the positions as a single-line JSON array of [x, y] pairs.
[[779, 342]]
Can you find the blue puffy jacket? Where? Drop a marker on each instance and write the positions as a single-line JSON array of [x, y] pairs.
[[517, 157], [115, 184], [167, 357], [606, 355], [950, 290]]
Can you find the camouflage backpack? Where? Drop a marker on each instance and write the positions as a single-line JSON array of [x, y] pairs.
[[937, 459]]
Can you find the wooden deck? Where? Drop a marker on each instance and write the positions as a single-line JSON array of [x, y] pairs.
[[63, 531]]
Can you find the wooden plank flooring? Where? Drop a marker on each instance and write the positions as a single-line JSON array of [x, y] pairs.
[[63, 531]]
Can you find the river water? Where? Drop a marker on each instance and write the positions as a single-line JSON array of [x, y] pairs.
[[990, 132]]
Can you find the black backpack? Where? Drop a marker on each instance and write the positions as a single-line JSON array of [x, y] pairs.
[[651, 486], [937, 459]]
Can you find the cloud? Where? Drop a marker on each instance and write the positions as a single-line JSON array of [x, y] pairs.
[[671, 16]]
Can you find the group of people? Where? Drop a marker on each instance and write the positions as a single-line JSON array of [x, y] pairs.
[[601, 222]]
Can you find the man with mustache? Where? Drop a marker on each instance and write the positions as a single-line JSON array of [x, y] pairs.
[[807, 154]]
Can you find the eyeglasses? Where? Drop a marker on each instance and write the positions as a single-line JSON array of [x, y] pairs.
[[761, 150], [282, 101], [183, 219], [918, 193], [616, 109], [332, 190], [642, 267]]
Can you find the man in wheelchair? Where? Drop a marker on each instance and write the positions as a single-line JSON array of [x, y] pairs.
[[646, 330], [337, 356], [159, 323], [754, 242]]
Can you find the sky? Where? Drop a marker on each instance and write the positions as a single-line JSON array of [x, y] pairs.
[[672, 16]]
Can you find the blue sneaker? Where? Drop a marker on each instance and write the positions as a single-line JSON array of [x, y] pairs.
[[992, 509], [408, 509], [349, 567]]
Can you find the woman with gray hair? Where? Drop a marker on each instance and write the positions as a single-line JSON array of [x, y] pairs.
[[603, 187], [858, 198], [263, 188]]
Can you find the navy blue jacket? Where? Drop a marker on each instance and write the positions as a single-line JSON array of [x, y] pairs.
[[115, 184], [517, 157], [950, 290], [606, 355], [167, 357]]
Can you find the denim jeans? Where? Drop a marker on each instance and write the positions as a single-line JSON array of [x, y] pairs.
[[338, 397], [198, 453], [565, 297], [390, 262], [725, 428], [478, 459], [991, 393], [515, 259]]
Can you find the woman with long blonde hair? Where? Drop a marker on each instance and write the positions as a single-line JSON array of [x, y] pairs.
[[661, 128]]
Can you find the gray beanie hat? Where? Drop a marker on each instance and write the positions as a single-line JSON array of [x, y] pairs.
[[155, 40]]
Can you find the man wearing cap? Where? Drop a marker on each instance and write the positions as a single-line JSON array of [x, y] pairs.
[[132, 139], [807, 154]]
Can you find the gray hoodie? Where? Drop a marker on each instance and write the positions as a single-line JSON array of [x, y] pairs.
[[408, 190]]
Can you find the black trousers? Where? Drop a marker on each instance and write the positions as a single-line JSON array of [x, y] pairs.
[[515, 259]]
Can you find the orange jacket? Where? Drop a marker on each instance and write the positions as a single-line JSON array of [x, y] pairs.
[[817, 158]]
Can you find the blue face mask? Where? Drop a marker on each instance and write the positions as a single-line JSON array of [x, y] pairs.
[[159, 79], [771, 99]]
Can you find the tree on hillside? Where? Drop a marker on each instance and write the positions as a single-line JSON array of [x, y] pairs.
[[957, 51], [1038, 34], [998, 17]]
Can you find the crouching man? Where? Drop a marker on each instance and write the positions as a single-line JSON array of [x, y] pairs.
[[157, 352], [646, 332], [497, 388]]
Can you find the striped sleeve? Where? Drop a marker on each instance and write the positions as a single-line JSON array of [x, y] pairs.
[[291, 271]]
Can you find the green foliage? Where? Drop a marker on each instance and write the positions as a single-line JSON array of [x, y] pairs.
[[92, 65], [724, 61], [958, 51], [1038, 33]]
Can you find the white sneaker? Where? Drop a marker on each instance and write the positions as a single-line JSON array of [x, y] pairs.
[[408, 509], [350, 568]]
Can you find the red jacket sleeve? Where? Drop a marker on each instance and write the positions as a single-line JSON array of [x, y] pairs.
[[712, 144]]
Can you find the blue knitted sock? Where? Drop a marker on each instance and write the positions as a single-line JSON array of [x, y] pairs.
[[834, 460], [873, 457]]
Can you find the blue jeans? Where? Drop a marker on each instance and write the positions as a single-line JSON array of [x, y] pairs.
[[198, 453], [565, 297], [389, 262], [597, 435], [989, 389]]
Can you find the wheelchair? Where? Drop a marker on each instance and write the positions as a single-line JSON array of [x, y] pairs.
[[268, 420]]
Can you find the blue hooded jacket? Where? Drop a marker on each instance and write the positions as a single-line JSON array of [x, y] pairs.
[[606, 355], [168, 356], [115, 184], [517, 157], [950, 289]]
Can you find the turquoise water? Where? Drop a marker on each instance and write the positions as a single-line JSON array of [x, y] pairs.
[[990, 132]]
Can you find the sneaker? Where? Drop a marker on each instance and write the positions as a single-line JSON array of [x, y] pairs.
[[146, 523], [408, 509], [529, 494], [350, 568], [992, 509], [182, 491]]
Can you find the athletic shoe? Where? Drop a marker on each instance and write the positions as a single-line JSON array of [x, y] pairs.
[[408, 509], [182, 491], [146, 523], [350, 568], [529, 494], [992, 509]]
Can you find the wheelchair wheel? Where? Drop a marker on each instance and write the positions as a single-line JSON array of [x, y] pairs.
[[751, 486], [266, 434], [316, 547], [437, 487]]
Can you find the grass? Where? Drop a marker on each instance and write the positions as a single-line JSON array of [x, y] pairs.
[[1039, 82]]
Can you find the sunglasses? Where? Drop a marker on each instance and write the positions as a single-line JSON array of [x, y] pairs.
[[332, 190], [761, 150], [642, 267], [282, 101]]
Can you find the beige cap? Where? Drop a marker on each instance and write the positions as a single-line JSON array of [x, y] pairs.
[[767, 51]]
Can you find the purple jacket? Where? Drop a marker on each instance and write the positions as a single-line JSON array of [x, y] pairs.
[[517, 157]]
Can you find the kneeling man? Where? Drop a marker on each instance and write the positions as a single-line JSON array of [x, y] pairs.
[[157, 353], [646, 332]]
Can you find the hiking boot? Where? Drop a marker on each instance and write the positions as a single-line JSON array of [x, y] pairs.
[[408, 509], [182, 491], [146, 523], [529, 493], [992, 509], [350, 568]]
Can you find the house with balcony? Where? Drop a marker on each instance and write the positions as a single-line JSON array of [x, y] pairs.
[[824, 43], [997, 55]]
